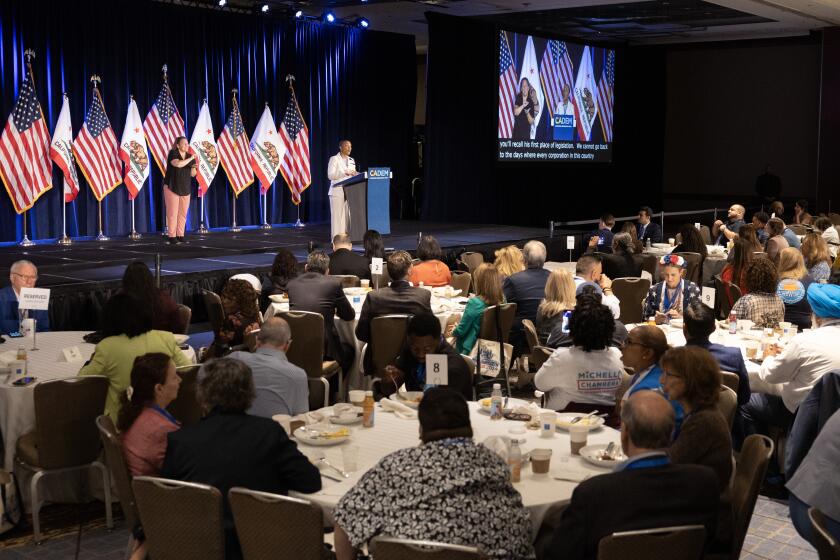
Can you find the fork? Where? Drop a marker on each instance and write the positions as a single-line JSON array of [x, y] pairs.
[[324, 461], [577, 419]]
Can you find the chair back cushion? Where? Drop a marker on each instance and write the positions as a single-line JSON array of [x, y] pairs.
[[186, 408], [631, 293], [119, 470], [472, 260], [827, 546], [649, 263], [215, 311], [731, 380], [307, 349], [727, 404], [693, 269], [488, 329], [181, 520], [530, 334], [461, 281], [749, 474], [185, 316], [387, 338], [685, 542]]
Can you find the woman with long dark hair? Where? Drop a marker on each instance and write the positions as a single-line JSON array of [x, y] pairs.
[[180, 168], [735, 271], [138, 281], [283, 269], [373, 244], [526, 107]]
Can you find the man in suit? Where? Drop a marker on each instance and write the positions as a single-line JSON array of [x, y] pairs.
[[230, 448], [23, 274], [317, 292], [644, 492], [646, 228], [344, 261], [526, 289]]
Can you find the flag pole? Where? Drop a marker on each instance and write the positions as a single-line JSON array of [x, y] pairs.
[[26, 242], [95, 79], [265, 224], [202, 229], [298, 223], [64, 240], [290, 79], [165, 231], [134, 236], [234, 228]]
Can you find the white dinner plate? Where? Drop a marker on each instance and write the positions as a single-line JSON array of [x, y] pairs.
[[314, 434], [564, 420], [661, 245], [181, 338], [408, 398], [279, 298], [592, 454], [484, 404], [345, 422], [356, 291]]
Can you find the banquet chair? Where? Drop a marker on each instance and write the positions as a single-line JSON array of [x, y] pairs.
[[540, 355], [472, 260], [348, 280], [649, 264], [181, 520], [389, 548], [496, 322], [65, 437], [727, 404], [186, 408], [686, 542], [693, 266], [706, 234], [532, 339], [271, 526], [749, 475], [461, 281], [185, 314], [319, 392], [798, 229], [730, 380], [215, 311], [631, 294], [307, 348], [122, 478], [723, 292], [827, 546], [387, 338]]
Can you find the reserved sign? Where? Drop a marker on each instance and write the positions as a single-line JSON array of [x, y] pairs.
[[34, 298]]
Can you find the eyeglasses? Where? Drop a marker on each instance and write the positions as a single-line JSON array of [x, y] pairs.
[[671, 374], [26, 276], [629, 342]]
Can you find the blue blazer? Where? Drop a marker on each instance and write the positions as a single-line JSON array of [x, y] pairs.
[[9, 318], [730, 359], [653, 231]]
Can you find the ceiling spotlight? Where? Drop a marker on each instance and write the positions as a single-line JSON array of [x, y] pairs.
[[222, 2], [363, 22], [328, 17], [265, 8], [299, 14]]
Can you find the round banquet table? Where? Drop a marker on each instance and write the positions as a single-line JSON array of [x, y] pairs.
[[390, 433], [712, 265]]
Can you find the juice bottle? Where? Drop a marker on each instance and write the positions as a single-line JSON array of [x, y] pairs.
[[515, 461], [496, 402], [368, 410]]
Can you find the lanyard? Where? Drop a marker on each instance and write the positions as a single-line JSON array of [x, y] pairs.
[[667, 303], [165, 413]]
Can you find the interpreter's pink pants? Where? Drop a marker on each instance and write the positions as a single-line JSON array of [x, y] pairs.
[[176, 212]]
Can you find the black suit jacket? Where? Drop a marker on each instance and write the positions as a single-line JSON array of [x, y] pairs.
[[618, 266], [653, 231], [399, 297], [227, 450], [632, 500], [526, 289], [345, 261], [315, 292]]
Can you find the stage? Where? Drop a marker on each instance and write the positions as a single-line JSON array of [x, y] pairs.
[[83, 275]]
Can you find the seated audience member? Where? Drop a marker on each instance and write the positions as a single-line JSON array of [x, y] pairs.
[[698, 326], [509, 260], [344, 261], [777, 209], [761, 305], [800, 213], [559, 335], [691, 242], [488, 292], [759, 222], [22, 274], [230, 448], [691, 376], [722, 232], [430, 271], [775, 240], [280, 386], [316, 291], [399, 297], [139, 282], [646, 228], [526, 289], [447, 489], [373, 244], [128, 333], [830, 234], [735, 271], [630, 229], [586, 375], [559, 298], [283, 269], [241, 316], [817, 261], [791, 237], [601, 239], [589, 268], [749, 234], [423, 336], [669, 298], [623, 262], [816, 484], [793, 286], [144, 420], [645, 492], [798, 367]]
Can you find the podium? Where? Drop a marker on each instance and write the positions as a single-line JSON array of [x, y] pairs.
[[563, 127], [368, 198]]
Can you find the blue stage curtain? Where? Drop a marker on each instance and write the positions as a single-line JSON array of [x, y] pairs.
[[352, 83]]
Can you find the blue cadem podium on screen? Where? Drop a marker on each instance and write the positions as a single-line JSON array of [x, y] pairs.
[[564, 126], [368, 197]]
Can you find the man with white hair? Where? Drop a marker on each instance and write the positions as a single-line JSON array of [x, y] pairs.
[[281, 387], [726, 232], [23, 274], [526, 289]]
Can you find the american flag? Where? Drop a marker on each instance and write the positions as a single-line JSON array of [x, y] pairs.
[[235, 152], [606, 94], [555, 72], [162, 126], [507, 88], [96, 150], [24, 150], [295, 165]]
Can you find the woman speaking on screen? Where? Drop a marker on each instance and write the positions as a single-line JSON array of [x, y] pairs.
[[526, 107]]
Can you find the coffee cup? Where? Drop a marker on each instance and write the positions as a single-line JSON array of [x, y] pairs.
[[540, 460], [671, 241], [752, 349], [548, 423], [577, 436], [357, 397], [365, 283]]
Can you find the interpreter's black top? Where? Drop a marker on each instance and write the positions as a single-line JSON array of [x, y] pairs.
[[178, 178]]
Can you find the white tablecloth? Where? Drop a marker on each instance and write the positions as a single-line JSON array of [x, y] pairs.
[[539, 492]]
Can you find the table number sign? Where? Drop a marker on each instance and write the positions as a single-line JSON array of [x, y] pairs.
[[376, 265], [708, 296], [437, 369], [34, 298], [570, 242], [72, 354]]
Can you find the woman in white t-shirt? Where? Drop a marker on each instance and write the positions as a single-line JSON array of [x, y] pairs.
[[586, 375]]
